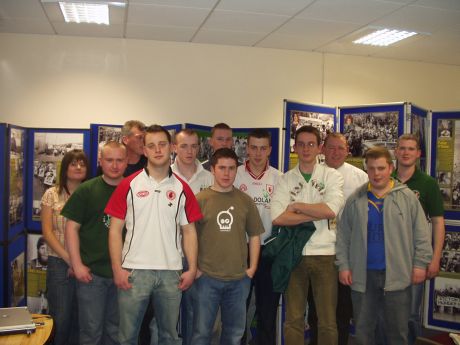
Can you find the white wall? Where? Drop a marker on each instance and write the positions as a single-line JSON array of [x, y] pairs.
[[55, 81]]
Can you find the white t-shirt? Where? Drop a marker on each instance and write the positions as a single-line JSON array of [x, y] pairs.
[[202, 178]]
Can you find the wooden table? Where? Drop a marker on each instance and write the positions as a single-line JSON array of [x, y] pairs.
[[39, 337]]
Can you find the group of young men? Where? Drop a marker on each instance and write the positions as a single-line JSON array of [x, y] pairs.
[[171, 233]]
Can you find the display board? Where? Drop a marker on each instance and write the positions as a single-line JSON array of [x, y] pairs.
[[100, 134], [442, 294], [16, 275], [419, 127], [240, 137], [445, 162], [297, 115], [45, 150], [3, 195], [37, 264], [367, 126], [15, 175]]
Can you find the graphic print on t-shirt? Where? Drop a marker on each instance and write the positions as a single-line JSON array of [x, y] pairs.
[[225, 220]]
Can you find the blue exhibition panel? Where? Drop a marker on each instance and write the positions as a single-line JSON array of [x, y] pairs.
[[16, 272], [3, 196], [2, 276], [45, 149]]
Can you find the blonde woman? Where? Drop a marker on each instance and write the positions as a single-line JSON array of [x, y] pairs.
[[60, 281]]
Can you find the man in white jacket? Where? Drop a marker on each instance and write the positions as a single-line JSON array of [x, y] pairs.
[[310, 192]]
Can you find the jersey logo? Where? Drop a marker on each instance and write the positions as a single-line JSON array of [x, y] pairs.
[[170, 194], [243, 188], [269, 188], [225, 219], [142, 193]]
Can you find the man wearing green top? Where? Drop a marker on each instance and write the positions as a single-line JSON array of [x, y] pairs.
[[428, 193], [86, 237]]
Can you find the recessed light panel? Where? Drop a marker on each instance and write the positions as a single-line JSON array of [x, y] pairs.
[[79, 12], [384, 37]]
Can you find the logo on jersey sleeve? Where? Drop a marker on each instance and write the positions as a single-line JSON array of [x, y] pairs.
[[225, 219]]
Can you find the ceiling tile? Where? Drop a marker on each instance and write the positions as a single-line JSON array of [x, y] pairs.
[[156, 15], [420, 19], [90, 30], [170, 33], [181, 3], [21, 9], [244, 21], [444, 4], [238, 38], [286, 7], [26, 26], [352, 11]]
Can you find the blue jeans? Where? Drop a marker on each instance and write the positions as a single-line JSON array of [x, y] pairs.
[[395, 306], [231, 297], [62, 301], [161, 286], [415, 322], [98, 311]]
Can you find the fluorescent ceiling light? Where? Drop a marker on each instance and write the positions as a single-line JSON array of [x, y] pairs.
[[80, 12], [384, 37]]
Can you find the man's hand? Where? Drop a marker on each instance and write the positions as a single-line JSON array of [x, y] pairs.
[[433, 269], [345, 277], [418, 275], [186, 279], [121, 279], [250, 272], [292, 207], [83, 273]]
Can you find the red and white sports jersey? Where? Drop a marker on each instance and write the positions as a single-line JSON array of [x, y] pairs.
[[153, 212], [260, 189]]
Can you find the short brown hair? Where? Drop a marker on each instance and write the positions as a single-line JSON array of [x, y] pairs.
[[69, 157], [223, 153], [308, 129], [377, 152], [158, 129], [126, 129], [220, 125], [336, 135], [186, 131], [409, 136]]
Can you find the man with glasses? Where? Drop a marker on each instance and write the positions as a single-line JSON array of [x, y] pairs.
[[132, 136], [310, 192]]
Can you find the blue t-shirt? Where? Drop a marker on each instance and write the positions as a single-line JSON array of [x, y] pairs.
[[375, 233]]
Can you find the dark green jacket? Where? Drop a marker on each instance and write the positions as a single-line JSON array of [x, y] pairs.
[[284, 249]]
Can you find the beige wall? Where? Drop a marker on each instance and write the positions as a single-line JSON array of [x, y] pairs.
[[50, 81]]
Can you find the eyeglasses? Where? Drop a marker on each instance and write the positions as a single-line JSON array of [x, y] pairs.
[[303, 145], [79, 163]]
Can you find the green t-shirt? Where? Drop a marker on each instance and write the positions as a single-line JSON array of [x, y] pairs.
[[427, 191], [86, 207], [227, 218]]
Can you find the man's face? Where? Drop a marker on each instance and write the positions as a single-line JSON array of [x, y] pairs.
[[307, 148], [134, 142], [335, 152], [224, 173], [186, 148], [407, 153], [379, 172], [258, 150], [113, 162], [43, 254], [157, 149], [221, 138]]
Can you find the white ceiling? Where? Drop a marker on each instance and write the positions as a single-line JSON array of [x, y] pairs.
[[309, 25]]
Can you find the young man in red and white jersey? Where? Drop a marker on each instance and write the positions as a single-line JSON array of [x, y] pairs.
[[258, 179], [153, 204]]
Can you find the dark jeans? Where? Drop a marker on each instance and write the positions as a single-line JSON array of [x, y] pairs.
[[344, 315], [62, 301], [266, 304], [395, 306]]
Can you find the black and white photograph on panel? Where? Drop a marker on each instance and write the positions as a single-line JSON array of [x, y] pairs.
[[18, 279], [16, 183], [446, 299], [366, 130], [107, 133], [37, 263], [49, 149]]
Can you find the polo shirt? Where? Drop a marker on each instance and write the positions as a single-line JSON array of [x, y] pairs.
[[153, 213], [427, 191], [201, 180]]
